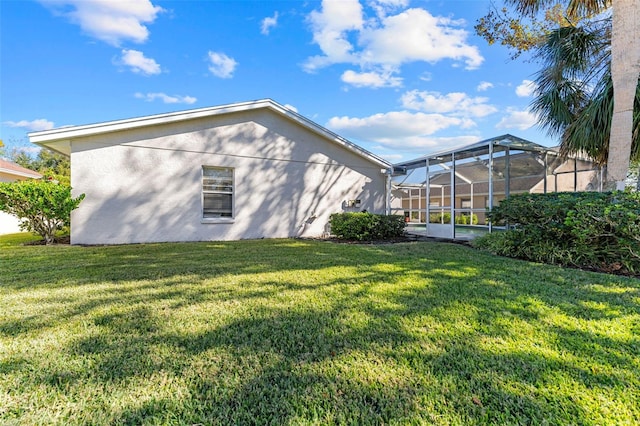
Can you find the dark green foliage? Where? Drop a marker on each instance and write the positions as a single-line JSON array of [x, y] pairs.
[[588, 230], [366, 226], [44, 206]]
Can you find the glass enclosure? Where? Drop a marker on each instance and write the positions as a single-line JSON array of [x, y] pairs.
[[448, 194]]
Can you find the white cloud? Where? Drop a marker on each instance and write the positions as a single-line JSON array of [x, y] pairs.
[[330, 28], [455, 103], [386, 41], [32, 126], [399, 129], [371, 79], [391, 157], [268, 23], [221, 65], [434, 144], [31, 150], [416, 35], [110, 21], [517, 119], [291, 107], [484, 86], [384, 7], [138, 63], [526, 88], [176, 99]]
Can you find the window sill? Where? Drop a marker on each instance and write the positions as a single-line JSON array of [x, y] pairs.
[[217, 220]]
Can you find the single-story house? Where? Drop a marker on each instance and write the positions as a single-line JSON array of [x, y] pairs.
[[12, 172], [246, 170]]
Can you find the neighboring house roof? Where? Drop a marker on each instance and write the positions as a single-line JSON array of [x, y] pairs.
[[59, 139], [13, 169]]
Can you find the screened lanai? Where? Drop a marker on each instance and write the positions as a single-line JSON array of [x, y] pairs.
[[448, 194]]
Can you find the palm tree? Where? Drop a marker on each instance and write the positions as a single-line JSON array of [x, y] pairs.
[[625, 69], [575, 90], [624, 73]]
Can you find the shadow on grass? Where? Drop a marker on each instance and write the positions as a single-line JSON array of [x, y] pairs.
[[405, 335]]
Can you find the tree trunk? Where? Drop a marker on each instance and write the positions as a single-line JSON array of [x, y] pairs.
[[625, 70]]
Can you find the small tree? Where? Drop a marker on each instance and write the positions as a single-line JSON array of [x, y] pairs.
[[44, 207]]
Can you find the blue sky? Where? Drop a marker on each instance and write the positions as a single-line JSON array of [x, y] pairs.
[[400, 78]]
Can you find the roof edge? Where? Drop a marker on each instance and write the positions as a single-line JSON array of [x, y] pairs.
[[17, 170], [58, 139]]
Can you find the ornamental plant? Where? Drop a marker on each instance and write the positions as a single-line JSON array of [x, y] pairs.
[[365, 226], [43, 206], [590, 230]]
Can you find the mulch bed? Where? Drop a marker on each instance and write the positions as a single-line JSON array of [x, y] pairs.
[[59, 240]]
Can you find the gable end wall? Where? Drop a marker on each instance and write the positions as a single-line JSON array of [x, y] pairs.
[[144, 185]]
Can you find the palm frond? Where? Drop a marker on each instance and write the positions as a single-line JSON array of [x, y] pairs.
[[590, 131], [574, 8], [566, 81]]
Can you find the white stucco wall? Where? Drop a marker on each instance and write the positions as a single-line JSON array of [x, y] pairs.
[[9, 224], [144, 185]]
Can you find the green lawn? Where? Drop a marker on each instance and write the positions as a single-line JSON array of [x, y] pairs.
[[311, 332]]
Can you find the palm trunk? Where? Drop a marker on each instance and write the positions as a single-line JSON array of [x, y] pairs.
[[625, 70]]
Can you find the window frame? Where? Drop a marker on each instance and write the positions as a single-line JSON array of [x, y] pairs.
[[203, 192]]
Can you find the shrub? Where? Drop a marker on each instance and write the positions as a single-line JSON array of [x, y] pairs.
[[444, 217], [465, 219], [44, 207], [366, 226], [589, 230]]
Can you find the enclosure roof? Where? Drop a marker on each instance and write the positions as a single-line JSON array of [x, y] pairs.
[[60, 139], [500, 143]]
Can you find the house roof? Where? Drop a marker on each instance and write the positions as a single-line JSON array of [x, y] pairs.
[[60, 139], [13, 169]]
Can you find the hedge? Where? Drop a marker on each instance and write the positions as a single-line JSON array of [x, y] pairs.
[[590, 230], [366, 226]]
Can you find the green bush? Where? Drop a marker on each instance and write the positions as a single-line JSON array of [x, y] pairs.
[[366, 226], [44, 207], [465, 219], [589, 230], [444, 217]]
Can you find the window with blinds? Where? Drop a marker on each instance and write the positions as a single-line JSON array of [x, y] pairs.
[[217, 192]]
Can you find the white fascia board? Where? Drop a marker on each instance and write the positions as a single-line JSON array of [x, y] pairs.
[[71, 132], [59, 139]]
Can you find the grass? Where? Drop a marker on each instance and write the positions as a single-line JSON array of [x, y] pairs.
[[311, 332]]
